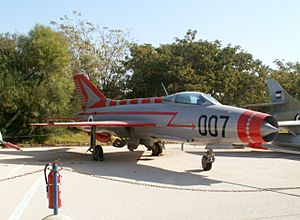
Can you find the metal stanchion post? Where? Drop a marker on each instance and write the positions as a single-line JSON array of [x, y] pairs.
[[55, 188]]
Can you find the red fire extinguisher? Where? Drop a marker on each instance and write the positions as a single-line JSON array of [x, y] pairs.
[[51, 187]]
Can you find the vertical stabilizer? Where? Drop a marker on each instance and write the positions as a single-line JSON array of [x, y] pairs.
[[280, 96], [90, 96]]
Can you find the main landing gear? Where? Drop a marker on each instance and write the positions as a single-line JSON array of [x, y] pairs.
[[96, 150], [208, 159], [98, 153], [157, 148]]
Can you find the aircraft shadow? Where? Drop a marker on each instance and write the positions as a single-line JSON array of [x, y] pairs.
[[116, 164]]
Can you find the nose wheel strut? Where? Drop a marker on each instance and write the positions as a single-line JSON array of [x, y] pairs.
[[208, 159]]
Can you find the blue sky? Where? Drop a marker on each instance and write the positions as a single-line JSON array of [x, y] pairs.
[[268, 29]]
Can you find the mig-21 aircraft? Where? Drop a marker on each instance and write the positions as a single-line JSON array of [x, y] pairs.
[[192, 117], [286, 110]]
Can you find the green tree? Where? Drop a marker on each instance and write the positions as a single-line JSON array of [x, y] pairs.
[[36, 79], [100, 52], [228, 73], [288, 75], [10, 90]]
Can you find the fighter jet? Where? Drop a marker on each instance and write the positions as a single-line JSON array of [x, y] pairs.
[[286, 110], [8, 144], [192, 117]]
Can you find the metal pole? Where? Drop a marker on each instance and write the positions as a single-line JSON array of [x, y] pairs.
[[55, 188], [182, 146]]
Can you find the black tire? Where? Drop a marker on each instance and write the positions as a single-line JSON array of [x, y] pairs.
[[157, 149], [205, 164], [119, 143], [98, 153], [161, 146]]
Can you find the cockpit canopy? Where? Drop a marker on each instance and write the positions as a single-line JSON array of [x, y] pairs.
[[193, 98]]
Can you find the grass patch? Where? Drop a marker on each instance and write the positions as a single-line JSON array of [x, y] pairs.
[[64, 138], [78, 138]]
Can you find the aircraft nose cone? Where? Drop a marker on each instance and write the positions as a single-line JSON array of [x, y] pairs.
[[267, 129]]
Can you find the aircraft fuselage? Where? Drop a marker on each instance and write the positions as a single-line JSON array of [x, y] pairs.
[[182, 122]]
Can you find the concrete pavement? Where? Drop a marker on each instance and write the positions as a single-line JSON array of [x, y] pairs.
[[242, 184]]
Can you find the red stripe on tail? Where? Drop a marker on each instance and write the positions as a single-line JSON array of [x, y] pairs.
[[90, 95]]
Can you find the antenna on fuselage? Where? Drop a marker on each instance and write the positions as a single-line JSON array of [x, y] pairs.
[[166, 92]]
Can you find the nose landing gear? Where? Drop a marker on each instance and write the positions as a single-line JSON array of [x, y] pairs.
[[207, 160]]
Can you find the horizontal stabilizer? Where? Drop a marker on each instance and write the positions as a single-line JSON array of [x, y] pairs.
[[288, 123], [293, 127], [282, 149], [264, 104], [10, 145]]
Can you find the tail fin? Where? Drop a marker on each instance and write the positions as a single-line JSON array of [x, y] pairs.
[[90, 96], [280, 96]]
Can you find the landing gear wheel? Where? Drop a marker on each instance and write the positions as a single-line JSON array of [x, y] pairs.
[[157, 149], [98, 153], [206, 164], [119, 142]]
